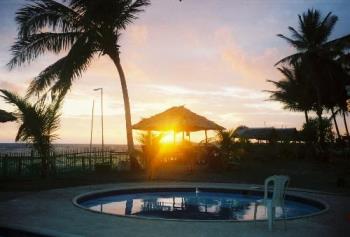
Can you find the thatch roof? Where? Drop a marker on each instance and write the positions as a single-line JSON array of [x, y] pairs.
[[267, 133], [177, 118], [6, 116]]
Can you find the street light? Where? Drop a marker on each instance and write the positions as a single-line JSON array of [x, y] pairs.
[[91, 130], [101, 89]]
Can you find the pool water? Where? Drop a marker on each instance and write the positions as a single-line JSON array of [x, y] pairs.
[[193, 204]]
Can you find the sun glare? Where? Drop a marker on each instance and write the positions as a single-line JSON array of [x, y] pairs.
[[167, 138]]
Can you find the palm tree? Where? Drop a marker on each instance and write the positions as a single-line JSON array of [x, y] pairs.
[[345, 123], [84, 28], [39, 122], [344, 60], [334, 92], [294, 91], [225, 140], [314, 49]]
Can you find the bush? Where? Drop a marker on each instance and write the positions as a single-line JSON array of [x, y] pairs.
[[311, 133]]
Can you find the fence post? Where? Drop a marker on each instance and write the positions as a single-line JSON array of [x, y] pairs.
[[83, 161], [4, 163], [19, 165], [90, 165], [103, 156], [75, 160], [31, 161], [53, 163]]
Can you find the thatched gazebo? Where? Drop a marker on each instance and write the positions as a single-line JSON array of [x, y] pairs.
[[177, 119], [6, 116]]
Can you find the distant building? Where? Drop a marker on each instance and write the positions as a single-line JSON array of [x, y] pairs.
[[267, 134]]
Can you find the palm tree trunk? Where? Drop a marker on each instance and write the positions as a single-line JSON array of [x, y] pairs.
[[345, 124], [320, 128], [133, 161], [314, 76], [306, 117], [335, 123], [44, 160]]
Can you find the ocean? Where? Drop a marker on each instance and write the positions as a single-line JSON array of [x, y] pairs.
[[26, 148]]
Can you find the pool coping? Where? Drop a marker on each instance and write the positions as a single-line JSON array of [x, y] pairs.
[[246, 187], [41, 232]]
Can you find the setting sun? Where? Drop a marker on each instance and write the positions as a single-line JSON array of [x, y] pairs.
[[167, 138]]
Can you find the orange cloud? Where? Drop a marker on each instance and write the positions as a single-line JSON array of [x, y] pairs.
[[138, 34], [250, 67]]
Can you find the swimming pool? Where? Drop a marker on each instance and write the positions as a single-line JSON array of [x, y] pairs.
[[192, 204]]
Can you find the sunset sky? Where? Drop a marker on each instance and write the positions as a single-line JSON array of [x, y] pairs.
[[213, 56]]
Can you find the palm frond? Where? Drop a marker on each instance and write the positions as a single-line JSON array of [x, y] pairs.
[[291, 59], [73, 65], [38, 121], [6, 116], [29, 48], [327, 25], [20, 133], [14, 99], [37, 15], [296, 35], [61, 74], [298, 44], [339, 43], [129, 12]]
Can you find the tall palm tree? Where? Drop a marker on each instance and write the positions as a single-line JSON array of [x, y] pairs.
[[334, 93], [38, 124], [314, 49], [344, 112], [84, 29], [344, 60], [294, 91]]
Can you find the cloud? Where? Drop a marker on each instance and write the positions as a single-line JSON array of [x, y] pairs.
[[230, 118], [256, 66], [138, 34], [13, 87], [232, 91], [265, 105]]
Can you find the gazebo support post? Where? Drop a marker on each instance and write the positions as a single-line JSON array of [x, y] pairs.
[[174, 137], [149, 134], [183, 136], [206, 137]]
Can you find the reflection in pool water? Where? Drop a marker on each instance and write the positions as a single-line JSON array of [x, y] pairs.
[[191, 205]]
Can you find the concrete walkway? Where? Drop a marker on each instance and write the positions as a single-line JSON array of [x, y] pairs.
[[52, 213]]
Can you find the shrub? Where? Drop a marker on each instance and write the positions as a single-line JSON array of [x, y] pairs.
[[311, 133]]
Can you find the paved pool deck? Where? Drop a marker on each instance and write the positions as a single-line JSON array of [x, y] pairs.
[[52, 213]]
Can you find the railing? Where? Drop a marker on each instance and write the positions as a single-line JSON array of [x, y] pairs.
[[29, 164]]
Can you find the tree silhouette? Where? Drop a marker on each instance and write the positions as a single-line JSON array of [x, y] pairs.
[[84, 28], [38, 124], [317, 54], [294, 90]]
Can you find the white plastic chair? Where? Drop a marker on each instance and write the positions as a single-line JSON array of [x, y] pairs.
[[280, 183]]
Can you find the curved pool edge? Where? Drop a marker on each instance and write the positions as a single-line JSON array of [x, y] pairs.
[[239, 187], [22, 230]]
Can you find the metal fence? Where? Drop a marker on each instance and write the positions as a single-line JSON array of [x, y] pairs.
[[29, 164]]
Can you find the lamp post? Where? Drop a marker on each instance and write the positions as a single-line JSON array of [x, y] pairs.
[[101, 89], [92, 123], [91, 131]]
